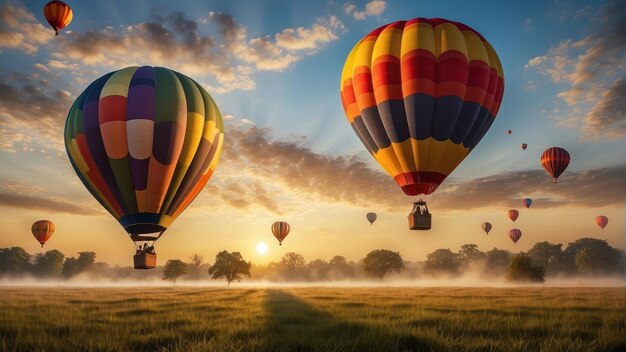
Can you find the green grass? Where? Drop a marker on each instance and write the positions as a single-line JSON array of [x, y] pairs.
[[312, 319]]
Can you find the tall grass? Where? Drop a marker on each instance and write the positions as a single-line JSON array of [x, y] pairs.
[[312, 319]]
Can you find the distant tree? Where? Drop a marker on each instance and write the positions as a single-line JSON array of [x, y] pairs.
[[522, 268], [339, 268], [230, 266], [470, 253], [14, 261], [549, 256], [599, 258], [497, 262], [195, 266], [73, 266], [48, 264], [292, 265], [380, 262], [317, 270], [443, 261], [174, 268]]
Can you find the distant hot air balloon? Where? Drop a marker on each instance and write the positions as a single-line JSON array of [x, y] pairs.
[[555, 161], [371, 217], [509, 132], [420, 95], [144, 141], [524, 146], [58, 14], [527, 202], [42, 230], [602, 221], [486, 227], [515, 235], [280, 229], [513, 214]]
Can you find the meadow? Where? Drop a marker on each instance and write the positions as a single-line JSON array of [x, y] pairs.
[[311, 319]]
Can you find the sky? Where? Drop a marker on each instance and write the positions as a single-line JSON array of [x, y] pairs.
[[273, 68]]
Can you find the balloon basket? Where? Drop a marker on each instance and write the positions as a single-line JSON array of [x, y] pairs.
[[419, 218], [145, 261]]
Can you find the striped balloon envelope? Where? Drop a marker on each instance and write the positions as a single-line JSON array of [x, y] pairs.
[[515, 235], [280, 229], [420, 95], [42, 230], [58, 14], [144, 141], [555, 160]]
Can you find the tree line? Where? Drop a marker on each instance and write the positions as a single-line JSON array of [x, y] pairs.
[[586, 257]]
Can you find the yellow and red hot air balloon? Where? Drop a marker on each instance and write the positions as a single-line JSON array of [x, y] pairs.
[[42, 230], [144, 141], [513, 214], [420, 95], [555, 160], [280, 229], [602, 221], [58, 14]]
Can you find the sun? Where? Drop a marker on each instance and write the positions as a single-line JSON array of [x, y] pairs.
[[261, 248]]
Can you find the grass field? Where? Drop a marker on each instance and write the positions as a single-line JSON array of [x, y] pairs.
[[312, 319]]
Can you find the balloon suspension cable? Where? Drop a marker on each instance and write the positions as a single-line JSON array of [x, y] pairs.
[[158, 237]]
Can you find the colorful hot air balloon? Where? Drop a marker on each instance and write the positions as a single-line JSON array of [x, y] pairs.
[[42, 230], [420, 95], [513, 214], [280, 229], [515, 235], [509, 132], [555, 161], [527, 202], [144, 141], [602, 221], [371, 217], [58, 14], [524, 146], [486, 227]]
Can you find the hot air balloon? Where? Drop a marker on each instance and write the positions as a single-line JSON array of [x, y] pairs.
[[280, 229], [513, 214], [515, 235], [486, 227], [555, 161], [602, 221], [524, 146], [58, 14], [527, 202], [420, 95], [42, 230], [509, 132], [371, 217], [144, 141]]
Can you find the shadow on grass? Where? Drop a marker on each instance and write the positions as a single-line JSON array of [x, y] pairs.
[[296, 326]]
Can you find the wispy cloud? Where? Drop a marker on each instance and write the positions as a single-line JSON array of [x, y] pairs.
[[372, 8], [20, 195], [589, 68], [19, 29]]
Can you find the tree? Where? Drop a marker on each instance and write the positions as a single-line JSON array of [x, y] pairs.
[[194, 267], [380, 262], [522, 268], [292, 264], [14, 261], [48, 264], [340, 268], [174, 268], [443, 261], [550, 256], [73, 266], [599, 258], [471, 253], [318, 270], [230, 266], [497, 261]]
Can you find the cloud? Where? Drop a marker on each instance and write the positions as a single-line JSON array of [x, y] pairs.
[[257, 170], [309, 38], [20, 29], [372, 8], [588, 68], [20, 195], [608, 116]]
